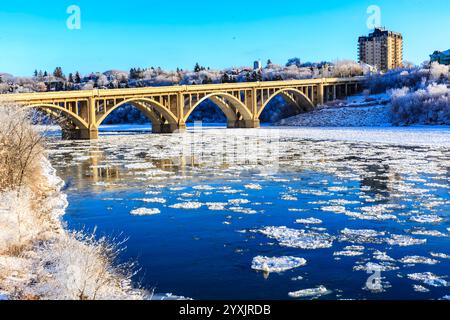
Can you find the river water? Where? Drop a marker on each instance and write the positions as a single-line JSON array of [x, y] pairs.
[[368, 209]]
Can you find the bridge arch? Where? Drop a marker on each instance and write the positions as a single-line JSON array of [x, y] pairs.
[[141, 104], [51, 108], [301, 100], [223, 101]]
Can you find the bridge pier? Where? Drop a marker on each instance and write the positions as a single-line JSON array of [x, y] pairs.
[[244, 124], [79, 134], [168, 128]]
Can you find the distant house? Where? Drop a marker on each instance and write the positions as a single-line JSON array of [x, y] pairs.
[[441, 57]]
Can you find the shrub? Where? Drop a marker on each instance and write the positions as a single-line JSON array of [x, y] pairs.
[[430, 105]]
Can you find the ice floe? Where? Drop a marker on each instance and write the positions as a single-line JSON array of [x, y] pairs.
[[418, 260], [404, 241], [429, 278], [145, 212], [308, 221], [314, 292], [427, 219], [253, 186], [277, 264], [419, 288], [298, 238], [187, 205]]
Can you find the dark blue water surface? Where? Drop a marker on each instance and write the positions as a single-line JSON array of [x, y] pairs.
[[207, 254]]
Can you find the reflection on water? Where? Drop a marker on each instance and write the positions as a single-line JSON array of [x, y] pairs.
[[217, 199]]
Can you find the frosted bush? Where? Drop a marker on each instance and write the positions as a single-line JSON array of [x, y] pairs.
[[430, 105], [79, 267], [439, 71]]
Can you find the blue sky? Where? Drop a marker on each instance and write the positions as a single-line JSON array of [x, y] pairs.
[[175, 33]]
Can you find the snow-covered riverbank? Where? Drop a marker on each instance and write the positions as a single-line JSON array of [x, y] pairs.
[[356, 111], [39, 259]]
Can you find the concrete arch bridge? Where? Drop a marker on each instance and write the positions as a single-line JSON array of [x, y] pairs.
[[168, 108]]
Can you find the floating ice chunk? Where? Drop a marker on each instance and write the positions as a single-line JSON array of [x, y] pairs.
[[187, 205], [227, 190], [431, 233], [334, 209], [382, 256], [145, 212], [404, 241], [297, 210], [440, 255], [288, 197], [187, 195], [419, 288], [298, 238], [427, 219], [153, 200], [277, 264], [372, 266], [140, 166], [177, 188], [361, 235], [418, 260], [337, 189], [203, 187], [152, 192], [243, 210], [342, 202], [238, 201], [348, 253], [315, 292], [429, 278], [298, 278], [308, 221], [3, 296], [216, 206], [354, 248], [253, 186]]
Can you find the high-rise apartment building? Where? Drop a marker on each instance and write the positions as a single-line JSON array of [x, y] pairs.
[[382, 49]]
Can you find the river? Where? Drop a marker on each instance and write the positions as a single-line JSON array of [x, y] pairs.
[[367, 208]]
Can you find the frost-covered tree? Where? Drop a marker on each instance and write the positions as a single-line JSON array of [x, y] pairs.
[[346, 68], [430, 105], [439, 71]]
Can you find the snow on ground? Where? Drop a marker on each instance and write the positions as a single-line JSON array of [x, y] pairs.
[[356, 111], [40, 260]]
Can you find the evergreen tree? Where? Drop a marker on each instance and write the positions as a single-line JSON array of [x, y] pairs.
[[35, 73], [197, 68], [71, 80], [1, 79], [225, 78], [269, 63], [58, 73], [45, 74], [207, 80], [77, 77], [133, 73]]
